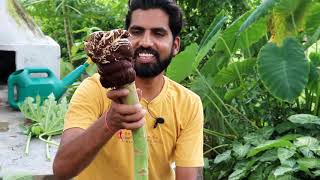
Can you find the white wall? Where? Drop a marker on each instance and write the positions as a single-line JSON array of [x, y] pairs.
[[33, 49]]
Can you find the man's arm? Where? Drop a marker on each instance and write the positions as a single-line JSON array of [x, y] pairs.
[[78, 147], [189, 173]]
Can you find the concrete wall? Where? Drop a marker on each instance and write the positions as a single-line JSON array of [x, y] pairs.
[[19, 33]]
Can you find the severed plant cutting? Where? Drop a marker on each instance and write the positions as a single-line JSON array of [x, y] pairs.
[[46, 118], [113, 54]]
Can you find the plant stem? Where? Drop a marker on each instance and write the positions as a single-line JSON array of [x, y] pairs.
[[294, 24], [217, 134], [47, 141], [47, 149], [316, 108], [217, 147], [211, 148], [67, 28], [230, 55], [26, 151], [245, 117], [247, 45], [212, 91], [140, 143], [298, 104], [225, 119]]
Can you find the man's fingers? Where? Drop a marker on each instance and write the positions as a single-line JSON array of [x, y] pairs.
[[124, 109], [134, 117], [134, 125], [117, 94]]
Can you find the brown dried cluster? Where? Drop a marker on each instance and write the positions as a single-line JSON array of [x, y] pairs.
[[113, 54]]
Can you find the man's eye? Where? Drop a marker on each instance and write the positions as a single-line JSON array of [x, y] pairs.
[[160, 34], [135, 32]]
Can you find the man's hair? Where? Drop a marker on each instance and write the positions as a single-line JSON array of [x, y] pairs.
[[168, 6]]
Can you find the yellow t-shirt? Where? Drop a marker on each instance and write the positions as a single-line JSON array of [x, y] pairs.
[[179, 139]]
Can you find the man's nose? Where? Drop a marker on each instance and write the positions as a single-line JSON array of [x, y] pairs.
[[146, 41]]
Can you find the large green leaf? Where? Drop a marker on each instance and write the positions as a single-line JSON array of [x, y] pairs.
[[223, 157], [284, 70], [233, 93], [306, 141], [304, 119], [213, 28], [238, 174], [233, 71], [314, 72], [268, 145], [314, 38], [240, 150], [205, 49], [269, 155], [232, 40], [284, 153], [260, 11], [282, 170], [286, 7], [214, 64], [308, 163], [312, 20], [181, 65], [209, 40]]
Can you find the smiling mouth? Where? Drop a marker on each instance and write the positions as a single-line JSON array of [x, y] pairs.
[[145, 58]]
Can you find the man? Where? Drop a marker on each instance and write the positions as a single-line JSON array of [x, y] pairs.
[[91, 150]]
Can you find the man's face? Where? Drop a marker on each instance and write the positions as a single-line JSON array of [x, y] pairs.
[[152, 42]]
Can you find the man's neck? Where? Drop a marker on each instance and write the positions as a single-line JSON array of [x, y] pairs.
[[151, 87]]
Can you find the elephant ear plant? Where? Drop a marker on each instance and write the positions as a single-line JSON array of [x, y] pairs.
[[113, 54]]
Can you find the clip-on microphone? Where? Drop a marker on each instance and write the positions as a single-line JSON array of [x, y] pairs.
[[159, 120]]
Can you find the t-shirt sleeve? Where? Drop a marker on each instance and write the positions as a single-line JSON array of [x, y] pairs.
[[189, 147], [86, 105]]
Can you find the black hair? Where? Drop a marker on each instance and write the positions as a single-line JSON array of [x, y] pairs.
[[168, 6]]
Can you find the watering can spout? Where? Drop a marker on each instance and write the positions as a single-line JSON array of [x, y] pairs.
[[74, 75], [21, 84]]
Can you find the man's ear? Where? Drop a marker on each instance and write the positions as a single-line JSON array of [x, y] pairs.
[[176, 45]]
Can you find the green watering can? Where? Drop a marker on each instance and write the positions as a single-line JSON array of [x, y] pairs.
[[22, 85]]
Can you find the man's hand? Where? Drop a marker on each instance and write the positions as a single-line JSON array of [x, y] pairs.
[[122, 116]]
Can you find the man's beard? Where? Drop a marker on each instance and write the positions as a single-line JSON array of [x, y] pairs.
[[152, 69]]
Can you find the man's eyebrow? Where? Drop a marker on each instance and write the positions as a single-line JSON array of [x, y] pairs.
[[161, 29], [136, 27]]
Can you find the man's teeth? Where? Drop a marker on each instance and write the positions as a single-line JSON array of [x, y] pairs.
[[145, 55]]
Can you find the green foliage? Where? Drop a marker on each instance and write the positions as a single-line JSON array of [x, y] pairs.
[[284, 70], [260, 11], [199, 14], [277, 156], [46, 119], [181, 65], [250, 85], [70, 22]]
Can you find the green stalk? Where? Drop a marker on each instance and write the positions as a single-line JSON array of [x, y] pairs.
[[47, 149], [46, 140], [26, 150], [140, 143], [316, 108], [217, 134], [217, 147]]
